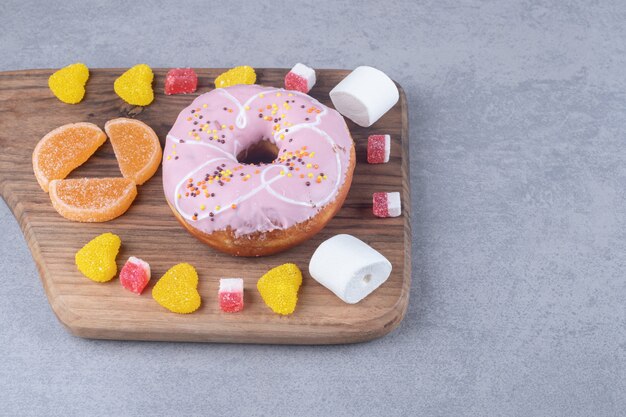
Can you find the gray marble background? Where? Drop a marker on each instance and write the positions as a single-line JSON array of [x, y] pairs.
[[518, 170]]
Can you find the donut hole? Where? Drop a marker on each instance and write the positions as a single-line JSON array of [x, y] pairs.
[[367, 279], [261, 152]]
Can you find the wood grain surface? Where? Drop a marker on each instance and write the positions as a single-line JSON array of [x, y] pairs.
[[28, 110]]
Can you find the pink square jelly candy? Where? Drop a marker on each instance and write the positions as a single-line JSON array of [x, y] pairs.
[[378, 149], [181, 81], [387, 204], [300, 78], [231, 294], [135, 275]]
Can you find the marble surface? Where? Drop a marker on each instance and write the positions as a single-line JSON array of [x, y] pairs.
[[518, 170]]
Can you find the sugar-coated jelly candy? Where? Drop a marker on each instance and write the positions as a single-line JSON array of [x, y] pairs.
[[96, 260], [231, 294], [177, 289], [181, 81], [387, 204], [238, 75], [135, 275], [279, 288], [68, 83], [378, 149], [300, 78], [135, 85]]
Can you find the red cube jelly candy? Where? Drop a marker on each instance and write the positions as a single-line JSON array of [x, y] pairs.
[[135, 275], [387, 204], [378, 149], [300, 78], [181, 81], [231, 294]]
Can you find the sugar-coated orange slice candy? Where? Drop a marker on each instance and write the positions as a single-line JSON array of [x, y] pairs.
[[64, 149], [136, 147], [92, 199]]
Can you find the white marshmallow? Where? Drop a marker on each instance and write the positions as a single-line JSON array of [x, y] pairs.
[[349, 267], [365, 95]]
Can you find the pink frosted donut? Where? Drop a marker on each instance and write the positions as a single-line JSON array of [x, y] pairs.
[[253, 170]]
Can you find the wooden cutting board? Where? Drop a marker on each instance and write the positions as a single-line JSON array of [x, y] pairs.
[[28, 110]]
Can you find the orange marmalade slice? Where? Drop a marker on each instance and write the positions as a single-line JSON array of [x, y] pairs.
[[64, 149], [136, 147], [92, 199]]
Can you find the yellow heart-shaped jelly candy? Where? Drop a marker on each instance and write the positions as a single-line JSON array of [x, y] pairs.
[[135, 85], [96, 260], [68, 84], [177, 289], [234, 76], [279, 288]]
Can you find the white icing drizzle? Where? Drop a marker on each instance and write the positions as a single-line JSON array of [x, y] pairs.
[[207, 145]]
